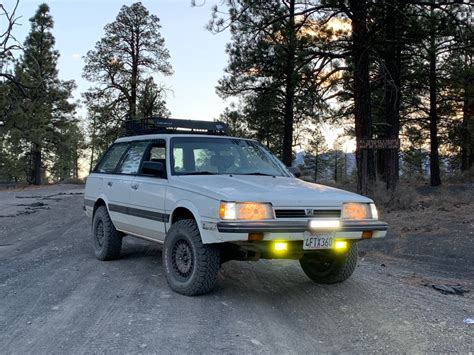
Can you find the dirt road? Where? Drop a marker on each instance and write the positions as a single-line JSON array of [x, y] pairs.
[[56, 297]]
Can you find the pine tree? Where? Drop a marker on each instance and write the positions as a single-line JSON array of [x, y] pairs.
[[34, 122], [121, 62], [316, 148], [277, 59], [431, 104]]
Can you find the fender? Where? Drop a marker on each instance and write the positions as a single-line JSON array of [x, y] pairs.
[[89, 204], [103, 197], [194, 210]]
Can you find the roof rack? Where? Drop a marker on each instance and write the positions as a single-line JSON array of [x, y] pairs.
[[153, 125], [158, 125]]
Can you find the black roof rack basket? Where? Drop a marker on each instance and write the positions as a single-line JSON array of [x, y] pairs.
[[154, 125]]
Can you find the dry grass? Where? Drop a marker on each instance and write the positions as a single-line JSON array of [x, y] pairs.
[[415, 208], [429, 210], [466, 177], [402, 198]]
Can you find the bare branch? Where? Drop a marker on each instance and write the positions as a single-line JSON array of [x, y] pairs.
[[8, 42]]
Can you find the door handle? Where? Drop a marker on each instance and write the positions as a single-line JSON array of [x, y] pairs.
[[134, 186], [109, 183]]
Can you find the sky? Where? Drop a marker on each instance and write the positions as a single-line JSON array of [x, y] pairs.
[[197, 56]]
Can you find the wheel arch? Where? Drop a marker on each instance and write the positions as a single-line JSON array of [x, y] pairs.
[[98, 203], [181, 213], [185, 209]]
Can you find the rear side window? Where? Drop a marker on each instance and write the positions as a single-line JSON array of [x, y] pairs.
[[132, 159], [111, 158]]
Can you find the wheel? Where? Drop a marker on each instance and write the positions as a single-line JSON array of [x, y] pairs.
[[330, 266], [191, 267], [106, 239]]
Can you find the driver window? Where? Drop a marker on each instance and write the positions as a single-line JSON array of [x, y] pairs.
[[157, 153]]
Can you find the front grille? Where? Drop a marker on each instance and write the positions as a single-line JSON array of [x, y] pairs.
[[308, 213]]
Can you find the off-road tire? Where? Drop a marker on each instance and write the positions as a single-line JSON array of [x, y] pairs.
[[190, 266], [107, 241], [330, 266]]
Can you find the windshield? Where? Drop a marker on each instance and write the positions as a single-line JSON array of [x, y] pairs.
[[214, 156]]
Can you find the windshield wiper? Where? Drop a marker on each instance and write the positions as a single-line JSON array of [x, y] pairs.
[[258, 174]]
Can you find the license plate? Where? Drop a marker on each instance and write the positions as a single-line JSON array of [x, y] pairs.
[[318, 241]]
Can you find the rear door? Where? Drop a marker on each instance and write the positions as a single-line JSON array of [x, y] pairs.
[[147, 198], [113, 185]]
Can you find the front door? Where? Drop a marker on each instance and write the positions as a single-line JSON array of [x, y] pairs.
[[147, 198], [120, 184]]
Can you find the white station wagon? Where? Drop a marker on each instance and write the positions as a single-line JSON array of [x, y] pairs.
[[209, 198]]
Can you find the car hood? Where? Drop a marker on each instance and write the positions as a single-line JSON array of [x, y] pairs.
[[280, 191]]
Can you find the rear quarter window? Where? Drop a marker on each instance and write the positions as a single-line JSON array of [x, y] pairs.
[[108, 163]]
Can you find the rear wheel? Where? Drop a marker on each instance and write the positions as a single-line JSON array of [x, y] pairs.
[[106, 239], [330, 266], [191, 267]]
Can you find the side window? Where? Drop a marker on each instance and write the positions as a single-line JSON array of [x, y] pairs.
[[109, 162], [131, 162], [157, 153], [178, 159]]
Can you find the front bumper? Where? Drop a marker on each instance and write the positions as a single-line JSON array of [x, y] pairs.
[[297, 227]]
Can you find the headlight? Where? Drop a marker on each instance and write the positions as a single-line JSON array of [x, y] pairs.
[[354, 210], [245, 210]]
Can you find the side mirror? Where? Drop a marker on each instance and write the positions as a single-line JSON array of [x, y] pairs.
[[154, 168], [295, 171]]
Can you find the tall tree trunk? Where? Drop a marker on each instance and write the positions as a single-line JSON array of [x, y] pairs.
[[134, 78], [316, 167], [75, 173], [467, 148], [92, 154], [287, 154], [36, 156], [435, 178], [133, 90], [362, 112], [345, 166], [92, 147], [392, 61]]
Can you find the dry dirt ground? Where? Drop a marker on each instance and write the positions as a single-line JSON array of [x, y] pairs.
[[55, 297]]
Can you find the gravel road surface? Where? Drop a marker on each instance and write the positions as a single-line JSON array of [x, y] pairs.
[[55, 297]]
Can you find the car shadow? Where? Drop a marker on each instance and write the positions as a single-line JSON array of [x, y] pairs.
[[263, 278], [134, 248]]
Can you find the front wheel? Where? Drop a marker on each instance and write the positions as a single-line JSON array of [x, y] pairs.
[[191, 267], [330, 266]]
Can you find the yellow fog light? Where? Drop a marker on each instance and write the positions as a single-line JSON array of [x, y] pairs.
[[340, 245], [280, 246]]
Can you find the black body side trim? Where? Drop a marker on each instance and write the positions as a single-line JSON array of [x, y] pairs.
[[136, 212], [295, 226]]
